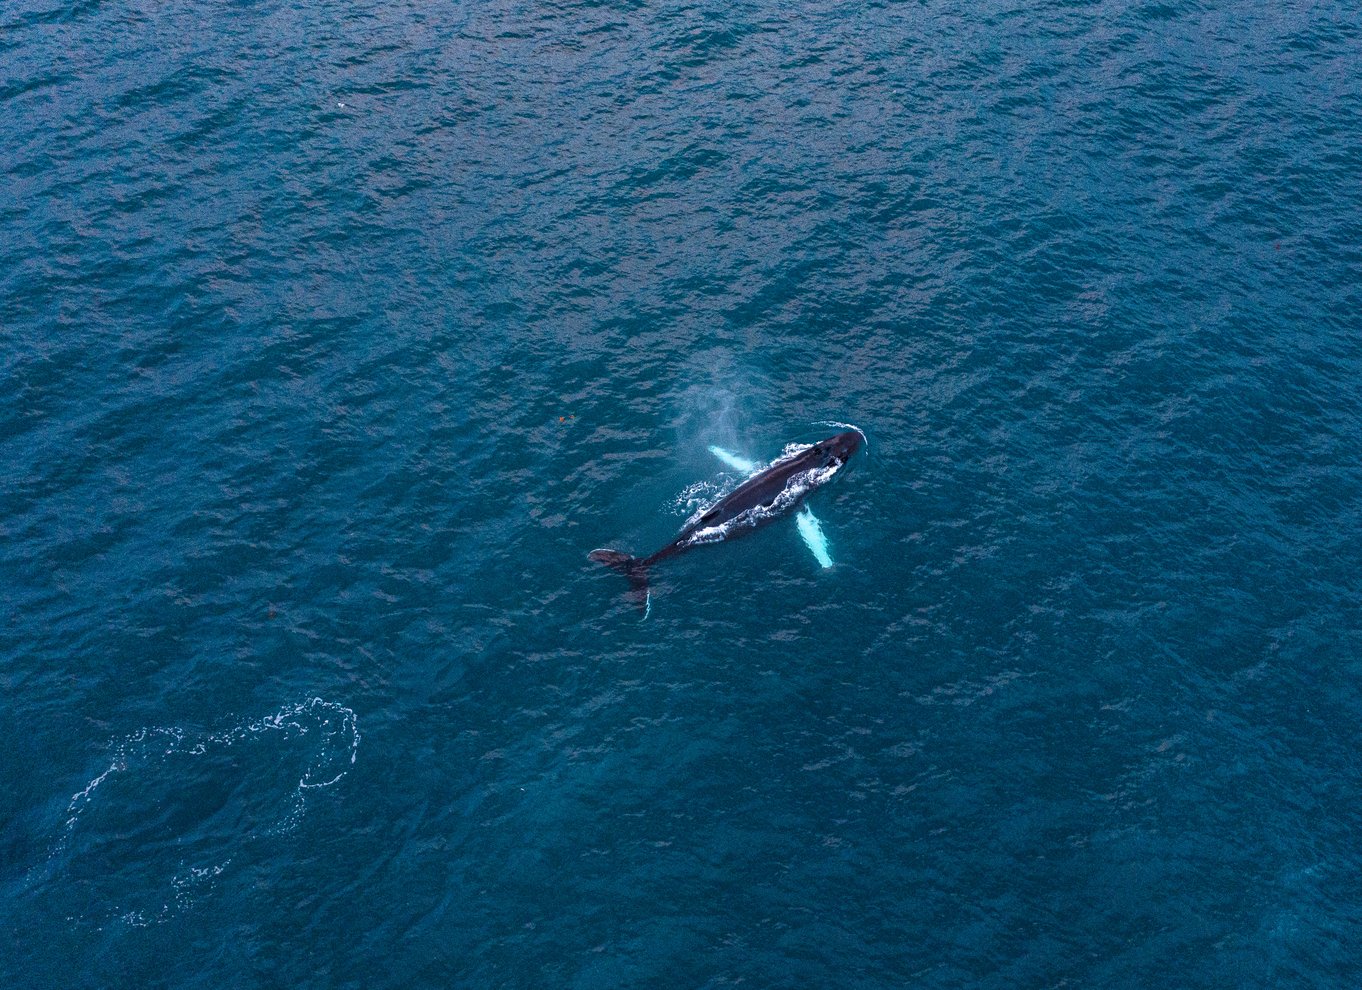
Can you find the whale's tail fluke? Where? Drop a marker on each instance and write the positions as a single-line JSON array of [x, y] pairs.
[[633, 568]]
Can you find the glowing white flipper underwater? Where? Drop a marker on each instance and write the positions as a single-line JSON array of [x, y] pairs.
[[809, 526], [812, 531], [733, 460]]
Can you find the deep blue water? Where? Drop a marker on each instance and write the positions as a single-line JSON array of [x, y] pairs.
[[334, 336]]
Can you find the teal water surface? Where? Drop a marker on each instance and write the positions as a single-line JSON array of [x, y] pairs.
[[335, 336]]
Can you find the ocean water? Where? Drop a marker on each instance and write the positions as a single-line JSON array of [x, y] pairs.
[[334, 336]]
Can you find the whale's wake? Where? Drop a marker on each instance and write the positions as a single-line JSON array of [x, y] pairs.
[[174, 808]]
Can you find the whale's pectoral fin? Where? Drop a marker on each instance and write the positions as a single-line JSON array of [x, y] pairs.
[[812, 531], [733, 460]]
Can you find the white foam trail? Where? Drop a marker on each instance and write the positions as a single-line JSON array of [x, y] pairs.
[[149, 756], [812, 531]]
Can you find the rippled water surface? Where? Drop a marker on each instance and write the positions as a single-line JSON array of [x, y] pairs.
[[333, 337]]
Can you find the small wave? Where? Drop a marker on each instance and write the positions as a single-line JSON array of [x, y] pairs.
[[846, 426], [175, 807]]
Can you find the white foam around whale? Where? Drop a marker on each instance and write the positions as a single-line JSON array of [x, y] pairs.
[[846, 426], [795, 488], [695, 499]]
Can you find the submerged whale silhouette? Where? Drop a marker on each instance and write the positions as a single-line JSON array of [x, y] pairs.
[[761, 499]]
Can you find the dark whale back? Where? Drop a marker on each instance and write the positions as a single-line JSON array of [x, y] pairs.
[[758, 497], [761, 499]]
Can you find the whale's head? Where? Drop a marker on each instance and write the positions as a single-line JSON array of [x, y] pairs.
[[836, 451]]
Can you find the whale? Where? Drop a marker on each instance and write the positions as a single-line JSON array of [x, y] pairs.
[[762, 499]]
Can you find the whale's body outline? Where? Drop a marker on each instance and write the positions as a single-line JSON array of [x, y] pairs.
[[768, 495]]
